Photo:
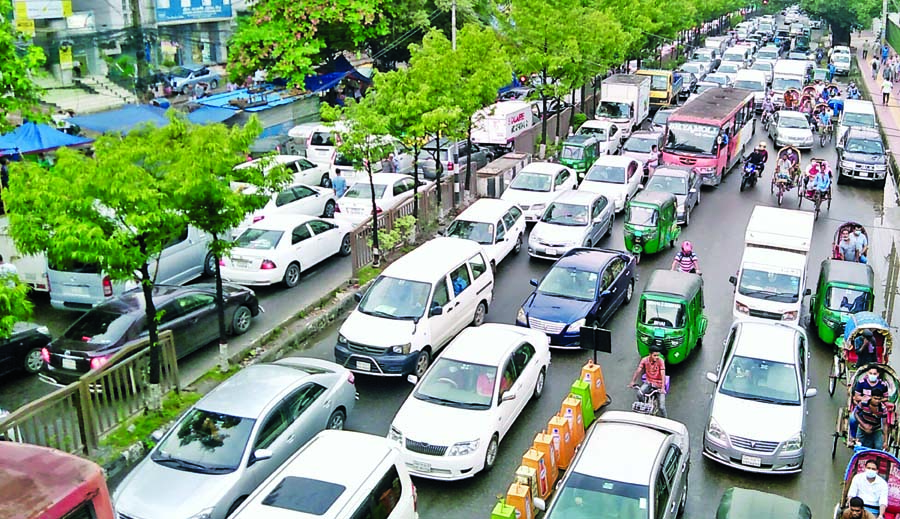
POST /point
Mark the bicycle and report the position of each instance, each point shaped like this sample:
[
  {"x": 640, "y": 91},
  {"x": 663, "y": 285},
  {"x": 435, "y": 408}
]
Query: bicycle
[{"x": 825, "y": 134}]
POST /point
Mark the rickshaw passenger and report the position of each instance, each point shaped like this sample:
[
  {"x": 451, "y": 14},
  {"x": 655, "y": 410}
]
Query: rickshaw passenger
[
  {"x": 862, "y": 390},
  {"x": 856, "y": 510},
  {"x": 870, "y": 418},
  {"x": 862, "y": 243},
  {"x": 824, "y": 119},
  {"x": 871, "y": 488},
  {"x": 848, "y": 247},
  {"x": 821, "y": 181},
  {"x": 858, "y": 304},
  {"x": 866, "y": 349}
]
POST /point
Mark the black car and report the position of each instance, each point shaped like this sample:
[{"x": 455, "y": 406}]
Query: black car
[
  {"x": 21, "y": 351},
  {"x": 188, "y": 311},
  {"x": 862, "y": 156}
]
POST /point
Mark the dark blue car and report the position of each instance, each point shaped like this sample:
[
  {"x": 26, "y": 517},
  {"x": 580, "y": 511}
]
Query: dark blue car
[{"x": 584, "y": 287}]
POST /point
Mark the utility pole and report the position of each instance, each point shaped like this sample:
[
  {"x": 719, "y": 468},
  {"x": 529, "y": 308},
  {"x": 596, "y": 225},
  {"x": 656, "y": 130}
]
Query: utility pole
[
  {"x": 138, "y": 29},
  {"x": 884, "y": 8},
  {"x": 453, "y": 23}
]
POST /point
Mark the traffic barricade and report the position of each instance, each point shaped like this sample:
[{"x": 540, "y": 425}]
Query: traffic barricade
[
  {"x": 535, "y": 459},
  {"x": 593, "y": 375},
  {"x": 580, "y": 389},
  {"x": 519, "y": 497},
  {"x": 544, "y": 443},
  {"x": 571, "y": 411},
  {"x": 558, "y": 428}
]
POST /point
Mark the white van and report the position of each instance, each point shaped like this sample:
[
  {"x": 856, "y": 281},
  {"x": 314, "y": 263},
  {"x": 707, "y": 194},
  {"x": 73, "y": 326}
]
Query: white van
[
  {"x": 740, "y": 54},
  {"x": 337, "y": 475},
  {"x": 32, "y": 270},
  {"x": 498, "y": 225},
  {"x": 858, "y": 113},
  {"x": 754, "y": 81},
  {"x": 322, "y": 143},
  {"x": 415, "y": 307}
]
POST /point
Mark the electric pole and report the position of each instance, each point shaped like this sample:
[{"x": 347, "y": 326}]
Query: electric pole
[
  {"x": 453, "y": 24},
  {"x": 884, "y": 8},
  {"x": 138, "y": 29}
]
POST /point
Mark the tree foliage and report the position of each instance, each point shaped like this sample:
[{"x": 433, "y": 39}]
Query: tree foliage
[
  {"x": 18, "y": 91},
  {"x": 842, "y": 15},
  {"x": 14, "y": 304}
]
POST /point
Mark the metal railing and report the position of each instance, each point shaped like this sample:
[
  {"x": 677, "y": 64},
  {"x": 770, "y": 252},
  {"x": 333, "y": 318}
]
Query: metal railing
[{"x": 74, "y": 418}]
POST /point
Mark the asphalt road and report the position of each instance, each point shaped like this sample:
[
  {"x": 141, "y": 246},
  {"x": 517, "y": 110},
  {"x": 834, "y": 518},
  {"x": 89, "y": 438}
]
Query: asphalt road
[{"x": 717, "y": 231}]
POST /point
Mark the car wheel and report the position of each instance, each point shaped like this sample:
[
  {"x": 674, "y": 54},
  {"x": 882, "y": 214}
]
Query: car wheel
[
  {"x": 337, "y": 420},
  {"x": 490, "y": 456},
  {"x": 214, "y": 84},
  {"x": 241, "y": 320},
  {"x": 329, "y": 209},
  {"x": 518, "y": 247},
  {"x": 345, "y": 246},
  {"x": 698, "y": 196},
  {"x": 209, "y": 265},
  {"x": 539, "y": 385},
  {"x": 422, "y": 363},
  {"x": 292, "y": 275},
  {"x": 33, "y": 361},
  {"x": 629, "y": 291},
  {"x": 480, "y": 312},
  {"x": 687, "y": 217},
  {"x": 325, "y": 181}
]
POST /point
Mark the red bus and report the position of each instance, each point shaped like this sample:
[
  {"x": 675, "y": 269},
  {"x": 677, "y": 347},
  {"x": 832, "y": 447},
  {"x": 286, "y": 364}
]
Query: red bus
[
  {"x": 41, "y": 483},
  {"x": 711, "y": 132}
]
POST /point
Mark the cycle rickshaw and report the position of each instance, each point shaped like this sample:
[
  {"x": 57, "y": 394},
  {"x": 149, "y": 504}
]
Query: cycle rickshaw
[
  {"x": 888, "y": 468},
  {"x": 791, "y": 99},
  {"x": 805, "y": 190},
  {"x": 845, "y": 358},
  {"x": 891, "y": 380},
  {"x": 836, "y": 242},
  {"x": 787, "y": 172},
  {"x": 826, "y": 133}
]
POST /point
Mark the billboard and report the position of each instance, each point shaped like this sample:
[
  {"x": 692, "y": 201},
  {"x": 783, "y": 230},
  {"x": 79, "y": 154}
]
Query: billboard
[
  {"x": 42, "y": 9},
  {"x": 168, "y": 11}
]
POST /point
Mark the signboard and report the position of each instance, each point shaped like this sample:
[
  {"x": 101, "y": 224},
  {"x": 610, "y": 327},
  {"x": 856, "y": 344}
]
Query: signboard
[
  {"x": 42, "y": 9},
  {"x": 25, "y": 27},
  {"x": 65, "y": 56},
  {"x": 168, "y": 11},
  {"x": 596, "y": 339}
]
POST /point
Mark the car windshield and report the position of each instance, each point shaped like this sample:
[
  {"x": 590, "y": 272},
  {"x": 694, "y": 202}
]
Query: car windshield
[
  {"x": 728, "y": 68},
  {"x": 843, "y": 58},
  {"x": 566, "y": 214},
  {"x": 394, "y": 298},
  {"x": 762, "y": 380},
  {"x": 480, "y": 232},
  {"x": 844, "y": 299},
  {"x": 858, "y": 119},
  {"x": 871, "y": 147},
  {"x": 364, "y": 191},
  {"x": 259, "y": 239},
  {"x": 765, "y": 67},
  {"x": 782, "y": 287},
  {"x": 99, "y": 327},
  {"x": 702, "y": 56},
  {"x": 460, "y": 384},
  {"x": 614, "y": 110},
  {"x": 641, "y": 215},
  {"x": 205, "y": 442},
  {"x": 608, "y": 174},
  {"x": 793, "y": 122},
  {"x": 640, "y": 144},
  {"x": 668, "y": 184},
  {"x": 781, "y": 84},
  {"x": 719, "y": 79},
  {"x": 693, "y": 68},
  {"x": 659, "y": 83},
  {"x": 600, "y": 133},
  {"x": 527, "y": 181},
  {"x": 746, "y": 84},
  {"x": 661, "y": 117},
  {"x": 181, "y": 72},
  {"x": 662, "y": 313},
  {"x": 570, "y": 283},
  {"x": 572, "y": 152},
  {"x": 691, "y": 138},
  {"x": 585, "y": 497}
]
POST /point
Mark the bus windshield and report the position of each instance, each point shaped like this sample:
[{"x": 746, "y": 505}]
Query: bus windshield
[{"x": 691, "y": 138}]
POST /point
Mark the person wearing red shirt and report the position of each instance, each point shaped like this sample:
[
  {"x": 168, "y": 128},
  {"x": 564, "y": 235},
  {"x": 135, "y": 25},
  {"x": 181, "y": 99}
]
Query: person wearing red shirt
[{"x": 653, "y": 367}]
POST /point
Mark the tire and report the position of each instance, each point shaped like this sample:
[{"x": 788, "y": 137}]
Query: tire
[
  {"x": 822, "y": 139},
  {"x": 291, "y": 275},
  {"x": 841, "y": 179},
  {"x": 834, "y": 375},
  {"x": 698, "y": 195},
  {"x": 241, "y": 320},
  {"x": 209, "y": 264},
  {"x": 329, "y": 209},
  {"x": 480, "y": 312},
  {"x": 422, "y": 363},
  {"x": 518, "y": 247},
  {"x": 834, "y": 443},
  {"x": 337, "y": 420},
  {"x": 780, "y": 197},
  {"x": 490, "y": 455},
  {"x": 325, "y": 181},
  {"x": 346, "y": 246},
  {"x": 687, "y": 217},
  {"x": 612, "y": 221},
  {"x": 33, "y": 361},
  {"x": 539, "y": 385},
  {"x": 214, "y": 84},
  {"x": 629, "y": 292}
]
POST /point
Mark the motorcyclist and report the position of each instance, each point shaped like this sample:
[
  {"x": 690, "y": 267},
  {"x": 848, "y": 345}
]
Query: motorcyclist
[
  {"x": 653, "y": 367},
  {"x": 685, "y": 259},
  {"x": 758, "y": 158},
  {"x": 768, "y": 107}
]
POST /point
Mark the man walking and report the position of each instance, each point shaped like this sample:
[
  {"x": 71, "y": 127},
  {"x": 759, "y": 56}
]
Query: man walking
[
  {"x": 886, "y": 87},
  {"x": 339, "y": 184},
  {"x": 874, "y": 67}
]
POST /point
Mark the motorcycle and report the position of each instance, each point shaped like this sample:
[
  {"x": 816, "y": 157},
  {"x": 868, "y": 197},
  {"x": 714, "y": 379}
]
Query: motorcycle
[{"x": 749, "y": 175}]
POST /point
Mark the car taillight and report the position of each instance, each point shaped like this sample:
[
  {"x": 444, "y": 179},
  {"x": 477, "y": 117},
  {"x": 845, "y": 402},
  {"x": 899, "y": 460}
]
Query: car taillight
[
  {"x": 98, "y": 362},
  {"x": 378, "y": 210},
  {"x": 258, "y": 218},
  {"x": 221, "y": 262},
  {"x": 107, "y": 286},
  {"x": 351, "y": 378},
  {"x": 267, "y": 265},
  {"x": 450, "y": 166},
  {"x": 45, "y": 355},
  {"x": 337, "y": 208}
]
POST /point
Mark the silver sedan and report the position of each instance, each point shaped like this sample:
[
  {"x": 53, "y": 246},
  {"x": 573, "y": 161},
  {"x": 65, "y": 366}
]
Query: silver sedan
[{"x": 790, "y": 128}]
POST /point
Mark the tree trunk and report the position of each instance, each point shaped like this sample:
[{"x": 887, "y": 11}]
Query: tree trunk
[
  {"x": 220, "y": 311},
  {"x": 583, "y": 91},
  {"x": 154, "y": 401},
  {"x": 558, "y": 118},
  {"x": 543, "y": 115},
  {"x": 469, "y": 161},
  {"x": 416, "y": 180},
  {"x": 375, "y": 247}
]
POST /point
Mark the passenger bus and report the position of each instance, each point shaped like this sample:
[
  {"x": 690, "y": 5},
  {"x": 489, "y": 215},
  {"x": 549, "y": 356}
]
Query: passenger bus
[
  {"x": 41, "y": 483},
  {"x": 710, "y": 133}
]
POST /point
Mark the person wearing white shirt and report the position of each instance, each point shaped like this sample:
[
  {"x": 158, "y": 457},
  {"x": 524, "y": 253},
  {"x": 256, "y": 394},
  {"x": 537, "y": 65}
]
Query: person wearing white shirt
[{"x": 871, "y": 488}]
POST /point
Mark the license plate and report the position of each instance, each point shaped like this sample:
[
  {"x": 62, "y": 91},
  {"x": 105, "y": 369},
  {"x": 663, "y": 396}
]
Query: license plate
[
  {"x": 363, "y": 366},
  {"x": 751, "y": 461},
  {"x": 420, "y": 467},
  {"x": 356, "y": 210},
  {"x": 240, "y": 263},
  {"x": 551, "y": 252},
  {"x": 865, "y": 174},
  {"x": 76, "y": 291},
  {"x": 68, "y": 364}
]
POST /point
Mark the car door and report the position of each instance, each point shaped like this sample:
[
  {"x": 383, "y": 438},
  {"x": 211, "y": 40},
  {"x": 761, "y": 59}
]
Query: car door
[
  {"x": 512, "y": 232},
  {"x": 198, "y": 311},
  {"x": 327, "y": 239},
  {"x": 601, "y": 219},
  {"x": 502, "y": 242},
  {"x": 773, "y": 126},
  {"x": 633, "y": 173},
  {"x": 308, "y": 411},
  {"x": 673, "y": 472},
  {"x": 170, "y": 319},
  {"x": 284, "y": 202},
  {"x": 527, "y": 370},
  {"x": 561, "y": 180},
  {"x": 463, "y": 298},
  {"x": 272, "y": 435},
  {"x": 442, "y": 326},
  {"x": 605, "y": 296},
  {"x": 303, "y": 246},
  {"x": 615, "y": 139},
  {"x": 306, "y": 201},
  {"x": 509, "y": 410},
  {"x": 309, "y": 173}
]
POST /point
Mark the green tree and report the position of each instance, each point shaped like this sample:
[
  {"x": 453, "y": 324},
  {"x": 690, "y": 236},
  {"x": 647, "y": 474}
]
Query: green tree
[
  {"x": 114, "y": 210},
  {"x": 842, "y": 15},
  {"x": 201, "y": 170},
  {"x": 14, "y": 304},
  {"x": 18, "y": 91}
]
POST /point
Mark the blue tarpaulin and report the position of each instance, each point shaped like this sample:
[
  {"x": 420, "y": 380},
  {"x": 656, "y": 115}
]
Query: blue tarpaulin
[
  {"x": 331, "y": 75},
  {"x": 210, "y": 114},
  {"x": 33, "y": 138},
  {"x": 122, "y": 120}
]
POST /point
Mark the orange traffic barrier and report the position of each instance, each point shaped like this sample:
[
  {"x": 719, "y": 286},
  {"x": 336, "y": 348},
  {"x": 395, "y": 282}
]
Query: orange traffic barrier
[
  {"x": 544, "y": 443},
  {"x": 528, "y": 476},
  {"x": 593, "y": 375},
  {"x": 558, "y": 428},
  {"x": 519, "y": 497},
  {"x": 571, "y": 411},
  {"x": 535, "y": 460}
]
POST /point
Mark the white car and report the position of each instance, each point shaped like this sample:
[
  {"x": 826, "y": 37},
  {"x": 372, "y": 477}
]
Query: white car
[
  {"x": 538, "y": 184},
  {"x": 322, "y": 142},
  {"x": 766, "y": 67},
  {"x": 697, "y": 68},
  {"x": 297, "y": 199},
  {"x": 451, "y": 425},
  {"x": 608, "y": 133},
  {"x": 279, "y": 248},
  {"x": 842, "y": 63},
  {"x": 616, "y": 177},
  {"x": 391, "y": 190},
  {"x": 498, "y": 225},
  {"x": 730, "y": 69},
  {"x": 575, "y": 219},
  {"x": 303, "y": 171},
  {"x": 723, "y": 80}
]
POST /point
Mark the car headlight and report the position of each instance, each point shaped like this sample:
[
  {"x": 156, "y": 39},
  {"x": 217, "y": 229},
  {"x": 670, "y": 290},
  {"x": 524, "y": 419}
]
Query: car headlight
[
  {"x": 538, "y": 207},
  {"x": 463, "y": 448},
  {"x": 401, "y": 349},
  {"x": 704, "y": 170},
  {"x": 341, "y": 339},
  {"x": 795, "y": 443},
  {"x": 576, "y": 326},
  {"x": 715, "y": 432},
  {"x": 521, "y": 317},
  {"x": 789, "y": 316},
  {"x": 395, "y": 435},
  {"x": 741, "y": 308},
  {"x": 206, "y": 513}
]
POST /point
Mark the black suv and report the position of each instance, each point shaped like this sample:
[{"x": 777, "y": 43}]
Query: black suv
[{"x": 861, "y": 155}]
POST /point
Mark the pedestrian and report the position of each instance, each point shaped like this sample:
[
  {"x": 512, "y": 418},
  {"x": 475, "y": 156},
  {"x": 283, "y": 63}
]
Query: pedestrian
[
  {"x": 339, "y": 184},
  {"x": 387, "y": 165},
  {"x": 653, "y": 161},
  {"x": 870, "y": 488},
  {"x": 874, "y": 67},
  {"x": 395, "y": 162},
  {"x": 886, "y": 91},
  {"x": 7, "y": 269},
  {"x": 198, "y": 91},
  {"x": 884, "y": 53},
  {"x": 4, "y": 172},
  {"x": 831, "y": 70},
  {"x": 865, "y": 52}
]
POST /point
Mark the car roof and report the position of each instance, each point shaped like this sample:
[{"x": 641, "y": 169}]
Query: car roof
[
  {"x": 791, "y": 114},
  {"x": 578, "y": 139},
  {"x": 572, "y": 196},
  {"x": 486, "y": 210},
  {"x": 281, "y": 222},
  {"x": 622, "y": 452},
  {"x": 384, "y": 178},
  {"x": 250, "y": 391},
  {"x": 614, "y": 160},
  {"x": 133, "y": 300},
  {"x": 469, "y": 345},
  {"x": 592, "y": 259},
  {"x": 672, "y": 170},
  {"x": 645, "y": 134},
  {"x": 757, "y": 339},
  {"x": 420, "y": 263},
  {"x": 594, "y": 123},
  {"x": 848, "y": 272},
  {"x": 679, "y": 284},
  {"x": 272, "y": 161},
  {"x": 547, "y": 168},
  {"x": 864, "y": 133},
  {"x": 858, "y": 105}
]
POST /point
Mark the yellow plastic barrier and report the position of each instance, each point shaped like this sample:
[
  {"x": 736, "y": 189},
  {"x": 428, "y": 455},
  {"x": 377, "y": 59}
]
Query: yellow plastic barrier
[
  {"x": 528, "y": 476},
  {"x": 519, "y": 497},
  {"x": 593, "y": 375},
  {"x": 535, "y": 460}
]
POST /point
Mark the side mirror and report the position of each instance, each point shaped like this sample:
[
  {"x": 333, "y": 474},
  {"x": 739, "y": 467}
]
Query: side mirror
[
  {"x": 436, "y": 310},
  {"x": 807, "y": 292},
  {"x": 811, "y": 392},
  {"x": 509, "y": 395},
  {"x": 693, "y": 190},
  {"x": 732, "y": 280},
  {"x": 260, "y": 455},
  {"x": 412, "y": 379},
  {"x": 533, "y": 282},
  {"x": 712, "y": 377},
  {"x": 157, "y": 435},
  {"x": 540, "y": 504},
  {"x": 357, "y": 296}
]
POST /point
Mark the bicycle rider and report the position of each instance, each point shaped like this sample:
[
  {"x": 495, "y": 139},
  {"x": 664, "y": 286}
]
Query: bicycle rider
[{"x": 653, "y": 367}]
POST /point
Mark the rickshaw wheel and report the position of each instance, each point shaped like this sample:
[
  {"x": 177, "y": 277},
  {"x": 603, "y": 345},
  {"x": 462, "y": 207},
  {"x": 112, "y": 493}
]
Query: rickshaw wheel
[
  {"x": 829, "y": 200},
  {"x": 835, "y": 374},
  {"x": 834, "y": 444}
]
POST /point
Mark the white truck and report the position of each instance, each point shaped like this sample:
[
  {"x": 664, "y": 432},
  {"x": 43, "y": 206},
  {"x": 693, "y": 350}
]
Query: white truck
[
  {"x": 771, "y": 282},
  {"x": 502, "y": 122},
  {"x": 32, "y": 269},
  {"x": 624, "y": 100},
  {"x": 788, "y": 73}
]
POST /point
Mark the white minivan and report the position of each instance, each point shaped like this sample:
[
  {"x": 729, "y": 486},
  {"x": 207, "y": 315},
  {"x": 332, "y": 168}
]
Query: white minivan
[
  {"x": 337, "y": 475},
  {"x": 498, "y": 225},
  {"x": 858, "y": 113},
  {"x": 415, "y": 307}
]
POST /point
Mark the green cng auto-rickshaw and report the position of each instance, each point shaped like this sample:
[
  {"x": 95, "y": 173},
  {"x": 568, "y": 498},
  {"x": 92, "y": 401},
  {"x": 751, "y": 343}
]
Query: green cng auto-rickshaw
[
  {"x": 844, "y": 288},
  {"x": 671, "y": 315},
  {"x": 650, "y": 223},
  {"x": 579, "y": 152}
]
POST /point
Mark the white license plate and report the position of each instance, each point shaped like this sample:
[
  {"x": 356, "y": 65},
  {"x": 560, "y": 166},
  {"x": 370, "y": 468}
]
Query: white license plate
[
  {"x": 421, "y": 467},
  {"x": 363, "y": 366},
  {"x": 241, "y": 263},
  {"x": 551, "y": 252},
  {"x": 76, "y": 291},
  {"x": 751, "y": 461},
  {"x": 68, "y": 364},
  {"x": 356, "y": 210},
  {"x": 866, "y": 174}
]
